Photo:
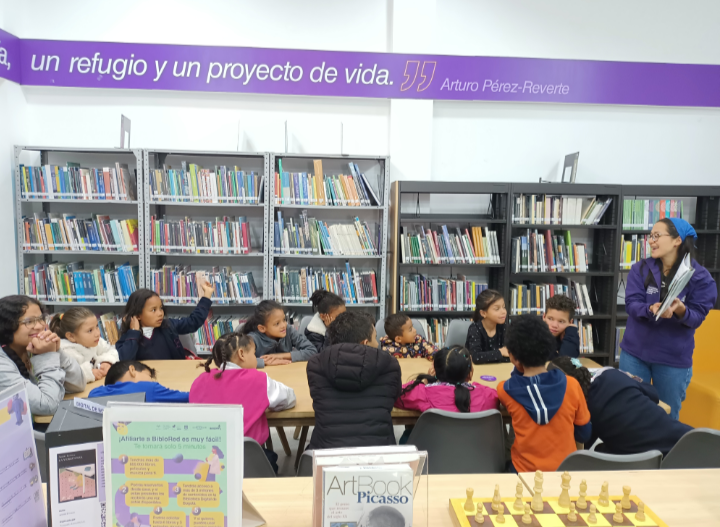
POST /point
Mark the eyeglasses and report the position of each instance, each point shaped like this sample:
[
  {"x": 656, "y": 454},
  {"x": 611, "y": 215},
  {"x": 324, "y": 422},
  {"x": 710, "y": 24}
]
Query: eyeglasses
[
  {"x": 655, "y": 236},
  {"x": 32, "y": 322}
]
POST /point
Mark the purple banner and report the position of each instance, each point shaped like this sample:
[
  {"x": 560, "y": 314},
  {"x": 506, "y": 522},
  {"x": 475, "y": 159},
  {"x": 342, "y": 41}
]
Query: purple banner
[
  {"x": 352, "y": 74},
  {"x": 9, "y": 57}
]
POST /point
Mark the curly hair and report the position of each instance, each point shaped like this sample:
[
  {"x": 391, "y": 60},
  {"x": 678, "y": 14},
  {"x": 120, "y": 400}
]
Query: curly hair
[
  {"x": 12, "y": 308},
  {"x": 325, "y": 302},
  {"x": 582, "y": 375},
  {"x": 561, "y": 303},
  {"x": 529, "y": 340},
  {"x": 350, "y": 327}
]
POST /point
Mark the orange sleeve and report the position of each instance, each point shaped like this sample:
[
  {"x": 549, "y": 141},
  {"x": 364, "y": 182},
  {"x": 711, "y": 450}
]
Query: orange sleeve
[{"x": 582, "y": 414}]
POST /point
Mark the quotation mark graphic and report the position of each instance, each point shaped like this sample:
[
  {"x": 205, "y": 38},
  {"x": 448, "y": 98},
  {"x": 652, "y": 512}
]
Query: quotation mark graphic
[{"x": 427, "y": 72}]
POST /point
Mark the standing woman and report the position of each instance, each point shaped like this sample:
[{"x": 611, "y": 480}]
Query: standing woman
[{"x": 661, "y": 351}]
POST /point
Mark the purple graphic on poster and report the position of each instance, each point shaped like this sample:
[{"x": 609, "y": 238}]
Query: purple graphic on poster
[
  {"x": 358, "y": 74},
  {"x": 9, "y": 57}
]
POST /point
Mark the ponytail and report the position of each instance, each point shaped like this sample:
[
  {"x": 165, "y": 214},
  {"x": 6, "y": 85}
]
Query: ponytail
[
  {"x": 259, "y": 317},
  {"x": 224, "y": 349},
  {"x": 324, "y": 301},
  {"x": 70, "y": 321},
  {"x": 18, "y": 362}
]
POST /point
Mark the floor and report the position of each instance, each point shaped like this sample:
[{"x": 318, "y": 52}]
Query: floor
[{"x": 287, "y": 464}]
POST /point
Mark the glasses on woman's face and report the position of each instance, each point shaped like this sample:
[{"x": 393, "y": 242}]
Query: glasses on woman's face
[
  {"x": 33, "y": 321},
  {"x": 655, "y": 236}
]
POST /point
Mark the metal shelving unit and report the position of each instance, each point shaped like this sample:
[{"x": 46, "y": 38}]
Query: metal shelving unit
[
  {"x": 377, "y": 170},
  {"x": 96, "y": 157}
]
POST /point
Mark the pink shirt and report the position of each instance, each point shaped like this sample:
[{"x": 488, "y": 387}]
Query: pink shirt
[{"x": 442, "y": 397}]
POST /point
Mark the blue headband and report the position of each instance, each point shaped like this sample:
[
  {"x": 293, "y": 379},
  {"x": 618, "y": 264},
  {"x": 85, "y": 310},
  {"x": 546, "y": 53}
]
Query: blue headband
[{"x": 684, "y": 228}]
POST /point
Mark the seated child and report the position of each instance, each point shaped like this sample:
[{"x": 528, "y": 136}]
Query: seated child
[
  {"x": 353, "y": 386},
  {"x": 559, "y": 314},
  {"x": 145, "y": 333},
  {"x": 275, "y": 341},
  {"x": 624, "y": 411},
  {"x": 131, "y": 376},
  {"x": 328, "y": 306},
  {"x": 451, "y": 388},
  {"x": 30, "y": 356},
  {"x": 486, "y": 335},
  {"x": 237, "y": 381},
  {"x": 548, "y": 409},
  {"x": 80, "y": 334},
  {"x": 402, "y": 340}
]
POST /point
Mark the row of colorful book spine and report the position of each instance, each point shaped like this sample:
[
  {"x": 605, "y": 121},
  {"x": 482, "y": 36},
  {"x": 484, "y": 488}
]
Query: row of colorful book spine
[
  {"x": 71, "y": 282},
  {"x": 443, "y": 246},
  {"x": 530, "y": 298},
  {"x": 541, "y": 251},
  {"x": 72, "y": 182},
  {"x": 177, "y": 284},
  {"x": 301, "y": 188},
  {"x": 54, "y": 232},
  {"x": 642, "y": 214},
  {"x": 310, "y": 236},
  {"x": 633, "y": 249},
  {"x": 195, "y": 184},
  {"x": 298, "y": 285},
  {"x": 558, "y": 210},
  {"x": 420, "y": 293},
  {"x": 226, "y": 235},
  {"x": 212, "y": 329}
]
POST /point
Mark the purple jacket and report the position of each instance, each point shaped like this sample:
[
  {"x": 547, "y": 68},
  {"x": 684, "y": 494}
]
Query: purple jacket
[{"x": 668, "y": 341}]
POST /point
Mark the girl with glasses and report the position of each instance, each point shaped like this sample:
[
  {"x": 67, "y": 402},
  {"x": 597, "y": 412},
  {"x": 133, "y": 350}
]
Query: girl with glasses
[{"x": 661, "y": 351}]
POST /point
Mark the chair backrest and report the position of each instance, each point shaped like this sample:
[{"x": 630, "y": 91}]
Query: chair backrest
[
  {"x": 457, "y": 333},
  {"x": 437, "y": 432},
  {"x": 305, "y": 466},
  {"x": 699, "y": 448},
  {"x": 188, "y": 342},
  {"x": 594, "y": 461},
  {"x": 255, "y": 461},
  {"x": 418, "y": 327},
  {"x": 304, "y": 323},
  {"x": 380, "y": 328}
]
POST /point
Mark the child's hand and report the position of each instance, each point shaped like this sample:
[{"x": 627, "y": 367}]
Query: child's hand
[
  {"x": 98, "y": 374},
  {"x": 276, "y": 359},
  {"x": 44, "y": 342},
  {"x": 504, "y": 352},
  {"x": 431, "y": 371},
  {"x": 207, "y": 289},
  {"x": 135, "y": 324},
  {"x": 105, "y": 367}
]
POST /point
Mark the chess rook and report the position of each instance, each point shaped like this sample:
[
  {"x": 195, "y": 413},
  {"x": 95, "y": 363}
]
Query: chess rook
[
  {"x": 469, "y": 505},
  {"x": 625, "y": 501}
]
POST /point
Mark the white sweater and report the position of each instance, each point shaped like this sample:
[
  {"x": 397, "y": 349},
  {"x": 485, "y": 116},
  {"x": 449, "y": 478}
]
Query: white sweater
[{"x": 89, "y": 358}]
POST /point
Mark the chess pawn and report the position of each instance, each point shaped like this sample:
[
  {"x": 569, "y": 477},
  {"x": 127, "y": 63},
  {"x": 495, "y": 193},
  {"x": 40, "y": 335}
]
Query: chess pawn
[
  {"x": 604, "y": 498},
  {"x": 618, "y": 516},
  {"x": 625, "y": 501},
  {"x": 640, "y": 514},
  {"x": 500, "y": 518},
  {"x": 591, "y": 517},
  {"x": 537, "y": 500},
  {"x": 469, "y": 505},
  {"x": 582, "y": 502},
  {"x": 571, "y": 515},
  {"x": 496, "y": 498},
  {"x": 518, "y": 505},
  {"x": 527, "y": 519},
  {"x": 479, "y": 517},
  {"x": 564, "y": 499}
]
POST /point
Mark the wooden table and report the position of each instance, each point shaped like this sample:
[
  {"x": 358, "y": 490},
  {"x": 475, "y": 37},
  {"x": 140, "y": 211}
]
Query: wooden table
[
  {"x": 180, "y": 374},
  {"x": 681, "y": 498}
]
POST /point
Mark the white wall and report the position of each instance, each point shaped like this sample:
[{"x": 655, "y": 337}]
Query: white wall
[{"x": 426, "y": 139}]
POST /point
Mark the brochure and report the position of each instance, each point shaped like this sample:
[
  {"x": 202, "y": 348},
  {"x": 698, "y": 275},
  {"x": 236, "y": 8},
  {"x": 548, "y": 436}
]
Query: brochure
[
  {"x": 77, "y": 485},
  {"x": 678, "y": 284}
]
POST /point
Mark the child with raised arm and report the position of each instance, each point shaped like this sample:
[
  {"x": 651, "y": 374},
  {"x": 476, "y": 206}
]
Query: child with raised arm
[
  {"x": 276, "y": 342},
  {"x": 402, "y": 340},
  {"x": 548, "y": 409},
  {"x": 327, "y": 306},
  {"x": 145, "y": 333},
  {"x": 80, "y": 339},
  {"x": 486, "y": 335},
  {"x": 237, "y": 381}
]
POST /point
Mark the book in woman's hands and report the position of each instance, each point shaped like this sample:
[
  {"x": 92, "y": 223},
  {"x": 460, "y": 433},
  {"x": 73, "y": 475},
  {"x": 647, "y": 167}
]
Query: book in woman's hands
[{"x": 678, "y": 284}]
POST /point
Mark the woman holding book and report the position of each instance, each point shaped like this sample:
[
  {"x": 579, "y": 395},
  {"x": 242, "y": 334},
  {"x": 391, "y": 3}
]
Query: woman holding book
[{"x": 660, "y": 351}]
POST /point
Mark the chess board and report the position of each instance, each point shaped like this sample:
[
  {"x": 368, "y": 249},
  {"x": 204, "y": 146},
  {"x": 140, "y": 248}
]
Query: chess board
[{"x": 553, "y": 515}]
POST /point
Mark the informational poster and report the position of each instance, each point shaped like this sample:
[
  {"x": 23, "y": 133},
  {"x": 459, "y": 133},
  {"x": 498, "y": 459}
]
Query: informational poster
[
  {"x": 174, "y": 465},
  {"x": 77, "y": 485},
  {"x": 21, "y": 500}
]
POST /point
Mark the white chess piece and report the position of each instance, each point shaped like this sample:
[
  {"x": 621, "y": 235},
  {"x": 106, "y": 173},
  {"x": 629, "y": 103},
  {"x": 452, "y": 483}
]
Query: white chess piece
[
  {"x": 469, "y": 505},
  {"x": 582, "y": 502},
  {"x": 527, "y": 519},
  {"x": 537, "y": 500},
  {"x": 591, "y": 517},
  {"x": 640, "y": 514},
  {"x": 518, "y": 505}
]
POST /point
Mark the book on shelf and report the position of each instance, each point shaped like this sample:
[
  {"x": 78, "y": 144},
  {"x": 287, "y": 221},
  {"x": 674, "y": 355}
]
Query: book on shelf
[
  {"x": 225, "y": 235},
  {"x": 585, "y": 332},
  {"x": 71, "y": 282},
  {"x": 558, "y": 210},
  {"x": 298, "y": 285},
  {"x": 302, "y": 188},
  {"x": 543, "y": 251},
  {"x": 179, "y": 284},
  {"x": 619, "y": 334},
  {"x": 194, "y": 184},
  {"x": 708, "y": 213},
  {"x": 66, "y": 232},
  {"x": 469, "y": 245},
  {"x": 420, "y": 293},
  {"x": 213, "y": 328},
  {"x": 642, "y": 214},
  {"x": 51, "y": 182},
  {"x": 109, "y": 324},
  {"x": 436, "y": 329},
  {"x": 633, "y": 248},
  {"x": 309, "y": 236},
  {"x": 530, "y": 298}
]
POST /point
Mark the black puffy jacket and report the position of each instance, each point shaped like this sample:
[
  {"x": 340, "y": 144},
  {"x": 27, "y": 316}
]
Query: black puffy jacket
[{"x": 353, "y": 388}]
